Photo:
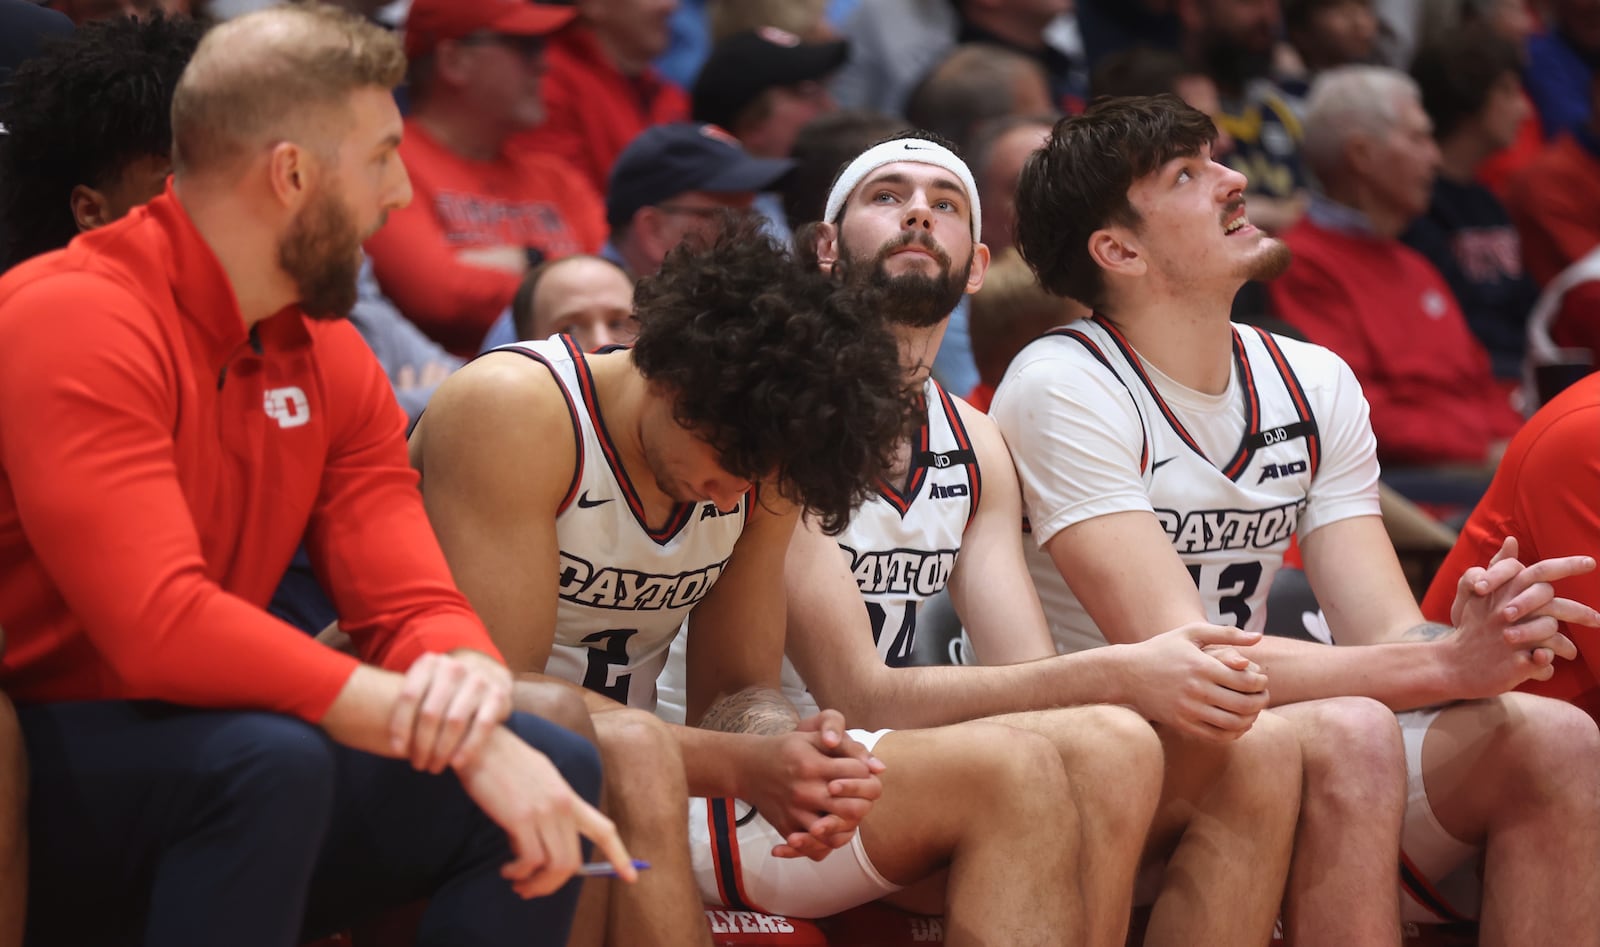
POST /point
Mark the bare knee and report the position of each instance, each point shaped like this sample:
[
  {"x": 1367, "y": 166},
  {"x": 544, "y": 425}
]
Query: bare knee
[
  {"x": 1109, "y": 748},
  {"x": 1546, "y": 749},
  {"x": 1120, "y": 734},
  {"x": 1010, "y": 767},
  {"x": 1353, "y": 754},
  {"x": 639, "y": 750},
  {"x": 557, "y": 703},
  {"x": 1265, "y": 764}
]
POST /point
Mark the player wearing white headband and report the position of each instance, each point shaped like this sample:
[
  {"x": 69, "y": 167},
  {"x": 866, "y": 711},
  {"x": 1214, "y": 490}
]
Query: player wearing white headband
[{"x": 905, "y": 216}]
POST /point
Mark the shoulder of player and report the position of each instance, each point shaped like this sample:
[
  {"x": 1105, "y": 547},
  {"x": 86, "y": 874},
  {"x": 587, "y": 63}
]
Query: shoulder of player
[
  {"x": 987, "y": 441},
  {"x": 768, "y": 505},
  {"x": 1316, "y": 367},
  {"x": 1044, "y": 356},
  {"x": 1057, "y": 368},
  {"x": 503, "y": 398}
]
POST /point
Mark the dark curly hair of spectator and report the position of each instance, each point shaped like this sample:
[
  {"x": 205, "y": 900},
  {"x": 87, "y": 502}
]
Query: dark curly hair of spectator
[
  {"x": 792, "y": 379},
  {"x": 1078, "y": 183},
  {"x": 80, "y": 113}
]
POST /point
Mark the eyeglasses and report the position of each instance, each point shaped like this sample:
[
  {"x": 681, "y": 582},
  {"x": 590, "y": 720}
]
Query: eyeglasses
[{"x": 526, "y": 47}]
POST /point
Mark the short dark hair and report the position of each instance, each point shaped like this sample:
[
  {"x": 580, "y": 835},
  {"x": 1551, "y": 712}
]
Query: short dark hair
[
  {"x": 791, "y": 378},
  {"x": 1457, "y": 71},
  {"x": 80, "y": 113},
  {"x": 972, "y": 85},
  {"x": 1078, "y": 183},
  {"x": 823, "y": 146},
  {"x": 1138, "y": 70}
]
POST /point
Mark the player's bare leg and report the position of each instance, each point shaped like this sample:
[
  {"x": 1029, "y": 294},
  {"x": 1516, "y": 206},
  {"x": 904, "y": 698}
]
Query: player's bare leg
[
  {"x": 646, "y": 794},
  {"x": 1225, "y": 828},
  {"x": 991, "y": 804},
  {"x": 1344, "y": 884},
  {"x": 1517, "y": 775},
  {"x": 13, "y": 828},
  {"x": 1115, "y": 766}
]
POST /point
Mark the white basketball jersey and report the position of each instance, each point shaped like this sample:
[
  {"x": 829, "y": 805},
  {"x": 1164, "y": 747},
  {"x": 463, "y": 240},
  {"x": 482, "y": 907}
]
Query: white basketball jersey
[
  {"x": 901, "y": 545},
  {"x": 624, "y": 587},
  {"x": 1229, "y": 518}
]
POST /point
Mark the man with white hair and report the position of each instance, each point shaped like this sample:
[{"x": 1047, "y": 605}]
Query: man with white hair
[{"x": 1355, "y": 288}]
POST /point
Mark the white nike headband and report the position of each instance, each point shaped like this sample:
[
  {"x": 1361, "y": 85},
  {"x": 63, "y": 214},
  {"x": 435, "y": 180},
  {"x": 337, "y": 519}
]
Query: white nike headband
[{"x": 919, "y": 150}]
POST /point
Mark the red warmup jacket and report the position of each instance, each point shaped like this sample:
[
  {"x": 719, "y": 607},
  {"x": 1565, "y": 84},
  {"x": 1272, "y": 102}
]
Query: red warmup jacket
[
  {"x": 1544, "y": 493},
  {"x": 158, "y": 467},
  {"x": 1385, "y": 310}
]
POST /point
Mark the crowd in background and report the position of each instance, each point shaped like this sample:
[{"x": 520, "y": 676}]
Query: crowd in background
[{"x": 1433, "y": 163}]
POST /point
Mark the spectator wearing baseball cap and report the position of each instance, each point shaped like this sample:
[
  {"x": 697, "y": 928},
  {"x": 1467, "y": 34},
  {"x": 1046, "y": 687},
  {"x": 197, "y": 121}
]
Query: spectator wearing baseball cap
[
  {"x": 764, "y": 85},
  {"x": 676, "y": 180},
  {"x": 483, "y": 213},
  {"x": 602, "y": 89}
]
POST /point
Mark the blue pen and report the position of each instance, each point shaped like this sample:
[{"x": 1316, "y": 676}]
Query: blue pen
[{"x": 608, "y": 870}]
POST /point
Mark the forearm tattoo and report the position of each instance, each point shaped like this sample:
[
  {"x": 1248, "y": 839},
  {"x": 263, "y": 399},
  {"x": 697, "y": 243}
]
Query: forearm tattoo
[
  {"x": 1429, "y": 631},
  {"x": 759, "y": 710}
]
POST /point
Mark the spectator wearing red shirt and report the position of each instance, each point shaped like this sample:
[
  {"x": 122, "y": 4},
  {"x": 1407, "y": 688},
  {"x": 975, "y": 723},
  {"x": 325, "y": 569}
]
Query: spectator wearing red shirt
[
  {"x": 1555, "y": 201},
  {"x": 601, "y": 90},
  {"x": 180, "y": 405},
  {"x": 483, "y": 213},
  {"x": 1355, "y": 288}
]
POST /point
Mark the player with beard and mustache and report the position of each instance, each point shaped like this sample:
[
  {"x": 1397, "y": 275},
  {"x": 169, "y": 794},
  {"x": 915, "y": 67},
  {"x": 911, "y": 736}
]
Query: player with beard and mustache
[
  {"x": 905, "y": 216},
  {"x": 1167, "y": 457},
  {"x": 182, "y": 405}
]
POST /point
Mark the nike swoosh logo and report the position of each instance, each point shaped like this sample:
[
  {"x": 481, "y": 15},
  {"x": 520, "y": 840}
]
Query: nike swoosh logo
[
  {"x": 1153, "y": 467},
  {"x": 913, "y": 146},
  {"x": 587, "y": 504}
]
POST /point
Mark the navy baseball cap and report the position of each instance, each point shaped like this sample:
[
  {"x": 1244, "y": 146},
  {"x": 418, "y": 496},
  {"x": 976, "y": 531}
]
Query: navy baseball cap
[
  {"x": 667, "y": 160},
  {"x": 746, "y": 64}
]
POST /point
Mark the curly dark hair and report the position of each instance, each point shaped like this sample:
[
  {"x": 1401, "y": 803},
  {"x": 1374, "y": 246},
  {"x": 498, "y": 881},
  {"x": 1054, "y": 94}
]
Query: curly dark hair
[
  {"x": 792, "y": 379},
  {"x": 1078, "y": 183},
  {"x": 80, "y": 113}
]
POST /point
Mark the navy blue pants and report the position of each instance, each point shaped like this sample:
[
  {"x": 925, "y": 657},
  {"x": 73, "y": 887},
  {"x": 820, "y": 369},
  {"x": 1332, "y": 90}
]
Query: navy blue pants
[{"x": 152, "y": 824}]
